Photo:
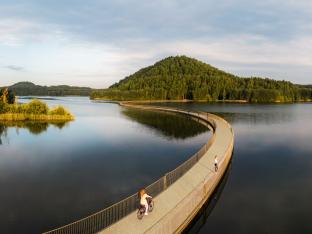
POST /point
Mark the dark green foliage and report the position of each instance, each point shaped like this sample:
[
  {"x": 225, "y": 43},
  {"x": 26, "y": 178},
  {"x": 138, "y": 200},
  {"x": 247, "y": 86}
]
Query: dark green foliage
[
  {"x": 305, "y": 93},
  {"x": 30, "y": 89},
  {"x": 177, "y": 78},
  {"x": 11, "y": 97},
  {"x": 263, "y": 95}
]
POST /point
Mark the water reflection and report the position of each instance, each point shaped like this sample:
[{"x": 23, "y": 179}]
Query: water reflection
[
  {"x": 268, "y": 114},
  {"x": 3, "y": 132},
  {"x": 171, "y": 125},
  {"x": 257, "y": 118},
  {"x": 269, "y": 189},
  {"x": 201, "y": 218},
  {"x": 33, "y": 127},
  {"x": 57, "y": 177}
]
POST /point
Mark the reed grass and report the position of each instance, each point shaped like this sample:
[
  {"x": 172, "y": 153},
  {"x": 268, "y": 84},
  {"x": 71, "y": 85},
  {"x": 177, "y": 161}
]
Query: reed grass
[
  {"x": 35, "y": 117},
  {"x": 34, "y": 111}
]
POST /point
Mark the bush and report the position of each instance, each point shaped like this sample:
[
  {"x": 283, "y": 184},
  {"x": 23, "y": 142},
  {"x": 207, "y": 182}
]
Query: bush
[
  {"x": 3, "y": 107},
  {"x": 59, "y": 110},
  {"x": 37, "y": 107},
  {"x": 22, "y": 108}
]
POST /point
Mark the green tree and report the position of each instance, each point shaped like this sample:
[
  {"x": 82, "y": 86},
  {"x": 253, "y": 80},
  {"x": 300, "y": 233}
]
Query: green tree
[{"x": 7, "y": 96}]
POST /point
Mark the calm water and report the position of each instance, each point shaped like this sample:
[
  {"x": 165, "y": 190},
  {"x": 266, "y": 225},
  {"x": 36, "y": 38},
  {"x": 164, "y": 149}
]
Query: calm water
[
  {"x": 52, "y": 174},
  {"x": 269, "y": 187}
]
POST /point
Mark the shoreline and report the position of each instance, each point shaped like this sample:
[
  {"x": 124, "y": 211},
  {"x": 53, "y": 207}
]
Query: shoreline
[
  {"x": 12, "y": 117},
  {"x": 199, "y": 101}
]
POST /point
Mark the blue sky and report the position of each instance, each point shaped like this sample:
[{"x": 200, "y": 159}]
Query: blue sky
[{"x": 96, "y": 43}]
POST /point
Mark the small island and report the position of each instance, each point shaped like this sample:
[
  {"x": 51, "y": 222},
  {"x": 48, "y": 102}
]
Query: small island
[{"x": 35, "y": 110}]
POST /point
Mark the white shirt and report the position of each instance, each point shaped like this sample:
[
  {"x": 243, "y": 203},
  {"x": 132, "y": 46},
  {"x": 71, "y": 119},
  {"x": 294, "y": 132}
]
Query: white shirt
[
  {"x": 216, "y": 161},
  {"x": 143, "y": 200}
]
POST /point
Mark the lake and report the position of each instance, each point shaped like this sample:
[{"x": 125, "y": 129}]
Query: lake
[
  {"x": 53, "y": 174},
  {"x": 269, "y": 186}
]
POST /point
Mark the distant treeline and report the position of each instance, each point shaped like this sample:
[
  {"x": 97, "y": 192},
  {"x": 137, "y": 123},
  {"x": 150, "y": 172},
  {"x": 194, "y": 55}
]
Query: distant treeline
[
  {"x": 177, "y": 78},
  {"x": 30, "y": 89}
]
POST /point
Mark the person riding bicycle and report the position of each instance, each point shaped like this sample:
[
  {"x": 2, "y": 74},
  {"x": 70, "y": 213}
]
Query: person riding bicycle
[
  {"x": 216, "y": 163},
  {"x": 143, "y": 199}
]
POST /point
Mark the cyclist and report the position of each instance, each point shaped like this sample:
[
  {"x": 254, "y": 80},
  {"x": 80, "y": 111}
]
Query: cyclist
[
  {"x": 216, "y": 163},
  {"x": 143, "y": 199}
]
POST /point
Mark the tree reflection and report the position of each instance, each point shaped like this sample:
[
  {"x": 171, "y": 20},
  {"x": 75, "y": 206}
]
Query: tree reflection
[
  {"x": 255, "y": 118},
  {"x": 3, "y": 132},
  {"x": 168, "y": 124},
  {"x": 34, "y": 127}
]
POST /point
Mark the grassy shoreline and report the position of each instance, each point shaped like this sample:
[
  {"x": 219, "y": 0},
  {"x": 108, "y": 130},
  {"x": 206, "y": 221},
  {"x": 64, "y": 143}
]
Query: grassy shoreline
[
  {"x": 35, "y": 110},
  {"x": 34, "y": 117}
]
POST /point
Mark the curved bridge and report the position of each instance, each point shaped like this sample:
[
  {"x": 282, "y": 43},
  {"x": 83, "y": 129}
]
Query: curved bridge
[{"x": 178, "y": 195}]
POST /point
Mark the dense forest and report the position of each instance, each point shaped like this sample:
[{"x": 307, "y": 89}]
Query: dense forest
[
  {"x": 30, "y": 89},
  {"x": 180, "y": 77}
]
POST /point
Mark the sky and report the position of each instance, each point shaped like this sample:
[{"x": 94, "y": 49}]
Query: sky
[{"x": 96, "y": 43}]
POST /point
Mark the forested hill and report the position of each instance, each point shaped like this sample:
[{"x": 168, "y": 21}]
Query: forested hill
[
  {"x": 180, "y": 77},
  {"x": 30, "y": 89}
]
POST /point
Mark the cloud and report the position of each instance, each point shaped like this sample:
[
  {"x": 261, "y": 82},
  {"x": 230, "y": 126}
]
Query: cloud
[
  {"x": 16, "y": 32},
  {"x": 13, "y": 31},
  {"x": 15, "y": 68},
  {"x": 74, "y": 41},
  {"x": 104, "y": 21}
]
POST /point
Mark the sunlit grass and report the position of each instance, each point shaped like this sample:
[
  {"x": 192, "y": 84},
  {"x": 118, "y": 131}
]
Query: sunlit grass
[{"x": 35, "y": 111}]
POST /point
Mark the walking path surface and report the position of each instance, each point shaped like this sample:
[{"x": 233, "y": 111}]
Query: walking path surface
[{"x": 178, "y": 204}]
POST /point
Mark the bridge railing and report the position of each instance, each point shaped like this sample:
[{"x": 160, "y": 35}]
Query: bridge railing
[{"x": 104, "y": 218}]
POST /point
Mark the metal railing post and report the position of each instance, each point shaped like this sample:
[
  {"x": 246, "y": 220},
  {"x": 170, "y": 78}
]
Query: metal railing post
[{"x": 165, "y": 181}]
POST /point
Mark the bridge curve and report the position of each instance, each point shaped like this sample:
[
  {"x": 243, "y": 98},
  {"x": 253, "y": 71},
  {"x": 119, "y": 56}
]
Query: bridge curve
[{"x": 180, "y": 193}]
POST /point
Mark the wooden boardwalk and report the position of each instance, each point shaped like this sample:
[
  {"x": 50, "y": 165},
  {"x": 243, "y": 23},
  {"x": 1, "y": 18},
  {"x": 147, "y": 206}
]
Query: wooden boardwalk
[{"x": 178, "y": 204}]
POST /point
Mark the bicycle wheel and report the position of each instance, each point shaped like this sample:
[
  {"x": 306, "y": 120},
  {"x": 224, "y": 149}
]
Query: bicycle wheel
[
  {"x": 151, "y": 206},
  {"x": 140, "y": 214}
]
